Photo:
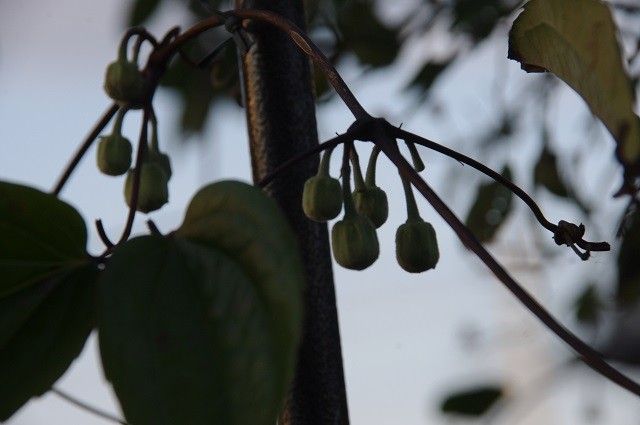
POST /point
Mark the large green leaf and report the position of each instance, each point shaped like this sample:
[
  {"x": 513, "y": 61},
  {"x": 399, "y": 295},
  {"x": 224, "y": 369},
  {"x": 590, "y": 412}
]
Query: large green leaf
[
  {"x": 628, "y": 285},
  {"x": 490, "y": 209},
  {"x": 43, "y": 328},
  {"x": 473, "y": 401},
  {"x": 41, "y": 237},
  {"x": 185, "y": 336},
  {"x": 214, "y": 311},
  {"x": 576, "y": 41}
]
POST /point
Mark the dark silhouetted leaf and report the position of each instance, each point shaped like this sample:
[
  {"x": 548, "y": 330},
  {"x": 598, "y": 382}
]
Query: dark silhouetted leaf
[
  {"x": 427, "y": 75},
  {"x": 588, "y": 306},
  {"x": 478, "y": 17},
  {"x": 576, "y": 41},
  {"x": 472, "y": 402},
  {"x": 43, "y": 328},
  {"x": 490, "y": 209},
  {"x": 141, "y": 10},
  {"x": 370, "y": 40},
  {"x": 214, "y": 311},
  {"x": 628, "y": 289},
  {"x": 546, "y": 173},
  {"x": 41, "y": 237}
]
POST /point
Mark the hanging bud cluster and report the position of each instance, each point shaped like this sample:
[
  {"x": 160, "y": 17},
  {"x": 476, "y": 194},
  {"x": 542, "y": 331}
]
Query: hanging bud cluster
[
  {"x": 354, "y": 239},
  {"x": 114, "y": 159}
]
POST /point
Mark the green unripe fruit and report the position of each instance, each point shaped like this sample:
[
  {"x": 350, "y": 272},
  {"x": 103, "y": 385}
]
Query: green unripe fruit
[
  {"x": 355, "y": 242},
  {"x": 114, "y": 155},
  {"x": 161, "y": 159},
  {"x": 125, "y": 83},
  {"x": 322, "y": 198},
  {"x": 417, "y": 246},
  {"x": 372, "y": 203},
  {"x": 153, "y": 192}
]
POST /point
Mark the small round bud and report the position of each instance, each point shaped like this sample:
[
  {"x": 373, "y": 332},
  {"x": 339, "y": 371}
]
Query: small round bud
[
  {"x": 372, "y": 203},
  {"x": 125, "y": 83},
  {"x": 355, "y": 242},
  {"x": 322, "y": 198},
  {"x": 153, "y": 192},
  {"x": 114, "y": 154},
  {"x": 417, "y": 246}
]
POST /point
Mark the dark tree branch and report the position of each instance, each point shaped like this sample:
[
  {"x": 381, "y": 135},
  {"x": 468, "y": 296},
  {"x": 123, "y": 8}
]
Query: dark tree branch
[
  {"x": 555, "y": 229},
  {"x": 383, "y": 135}
]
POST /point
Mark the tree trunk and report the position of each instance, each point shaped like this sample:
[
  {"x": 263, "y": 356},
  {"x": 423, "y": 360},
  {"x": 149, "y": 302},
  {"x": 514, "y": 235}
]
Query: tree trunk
[{"x": 280, "y": 108}]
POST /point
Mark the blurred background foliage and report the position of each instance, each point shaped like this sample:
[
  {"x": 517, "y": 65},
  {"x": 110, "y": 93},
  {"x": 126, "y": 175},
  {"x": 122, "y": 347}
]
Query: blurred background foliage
[{"x": 359, "y": 28}]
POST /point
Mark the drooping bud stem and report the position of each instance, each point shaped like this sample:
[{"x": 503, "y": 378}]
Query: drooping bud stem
[
  {"x": 325, "y": 162},
  {"x": 371, "y": 167},
  {"x": 412, "y": 207},
  {"x": 357, "y": 171},
  {"x": 117, "y": 123},
  {"x": 349, "y": 207},
  {"x": 415, "y": 157}
]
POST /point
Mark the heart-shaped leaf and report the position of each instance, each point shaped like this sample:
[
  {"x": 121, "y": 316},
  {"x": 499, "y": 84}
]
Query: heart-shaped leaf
[
  {"x": 203, "y": 327},
  {"x": 43, "y": 328},
  {"x": 41, "y": 237}
]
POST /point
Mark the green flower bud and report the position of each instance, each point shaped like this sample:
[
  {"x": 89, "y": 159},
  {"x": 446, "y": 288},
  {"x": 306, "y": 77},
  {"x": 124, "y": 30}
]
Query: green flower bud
[
  {"x": 125, "y": 83},
  {"x": 355, "y": 242},
  {"x": 369, "y": 199},
  {"x": 114, "y": 154},
  {"x": 322, "y": 198},
  {"x": 416, "y": 243},
  {"x": 322, "y": 194},
  {"x": 153, "y": 192},
  {"x": 417, "y": 246},
  {"x": 372, "y": 203}
]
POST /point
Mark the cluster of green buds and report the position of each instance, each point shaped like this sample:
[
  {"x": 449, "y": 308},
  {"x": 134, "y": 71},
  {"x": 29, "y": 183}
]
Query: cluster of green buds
[
  {"x": 155, "y": 172},
  {"x": 354, "y": 239},
  {"x": 114, "y": 159},
  {"x": 124, "y": 82}
]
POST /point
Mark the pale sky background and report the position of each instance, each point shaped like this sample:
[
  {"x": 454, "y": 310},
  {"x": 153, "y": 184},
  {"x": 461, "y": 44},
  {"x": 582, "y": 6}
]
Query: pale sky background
[{"x": 402, "y": 335}]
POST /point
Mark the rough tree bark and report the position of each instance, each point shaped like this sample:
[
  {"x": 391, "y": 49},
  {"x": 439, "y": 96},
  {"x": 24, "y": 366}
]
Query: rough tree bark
[{"x": 280, "y": 110}]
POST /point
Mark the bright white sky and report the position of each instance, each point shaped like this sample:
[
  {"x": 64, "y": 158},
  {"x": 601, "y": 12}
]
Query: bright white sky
[{"x": 401, "y": 333}]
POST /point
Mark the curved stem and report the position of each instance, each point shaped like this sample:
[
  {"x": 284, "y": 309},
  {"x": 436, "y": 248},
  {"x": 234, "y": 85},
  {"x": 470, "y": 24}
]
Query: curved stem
[
  {"x": 345, "y": 172},
  {"x": 370, "y": 179},
  {"x": 407, "y": 136},
  {"x": 84, "y": 147},
  {"x": 358, "y": 180},
  {"x": 587, "y": 354},
  {"x": 412, "y": 208},
  {"x": 133, "y": 202},
  {"x": 312, "y": 51},
  {"x": 325, "y": 162},
  {"x": 84, "y": 406},
  {"x": 329, "y": 144}
]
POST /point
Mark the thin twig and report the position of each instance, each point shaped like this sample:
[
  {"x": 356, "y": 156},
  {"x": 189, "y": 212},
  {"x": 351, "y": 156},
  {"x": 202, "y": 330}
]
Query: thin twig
[
  {"x": 137, "y": 171},
  {"x": 84, "y": 147},
  {"x": 329, "y": 144},
  {"x": 382, "y": 135},
  {"x": 84, "y": 406},
  {"x": 312, "y": 51},
  {"x": 537, "y": 212},
  {"x": 103, "y": 234}
]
